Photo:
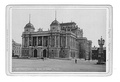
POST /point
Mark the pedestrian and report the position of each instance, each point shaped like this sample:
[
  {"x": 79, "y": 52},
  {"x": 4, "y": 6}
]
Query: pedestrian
[
  {"x": 76, "y": 61},
  {"x": 42, "y": 58}
]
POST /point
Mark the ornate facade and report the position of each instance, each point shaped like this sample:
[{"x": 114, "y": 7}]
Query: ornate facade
[{"x": 63, "y": 40}]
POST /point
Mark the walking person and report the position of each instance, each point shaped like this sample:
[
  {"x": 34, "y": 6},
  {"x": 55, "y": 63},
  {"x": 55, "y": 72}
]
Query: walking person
[
  {"x": 76, "y": 61},
  {"x": 42, "y": 58}
]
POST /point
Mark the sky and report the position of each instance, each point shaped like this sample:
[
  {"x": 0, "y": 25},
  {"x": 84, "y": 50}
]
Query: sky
[{"x": 92, "y": 21}]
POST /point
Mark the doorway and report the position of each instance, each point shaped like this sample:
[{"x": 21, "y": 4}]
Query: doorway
[
  {"x": 35, "y": 53},
  {"x": 44, "y": 53}
]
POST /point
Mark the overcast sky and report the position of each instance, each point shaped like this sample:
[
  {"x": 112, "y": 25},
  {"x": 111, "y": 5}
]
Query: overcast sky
[{"x": 92, "y": 21}]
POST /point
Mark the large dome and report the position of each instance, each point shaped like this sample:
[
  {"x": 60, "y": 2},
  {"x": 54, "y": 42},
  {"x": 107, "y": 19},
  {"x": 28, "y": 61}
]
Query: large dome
[
  {"x": 29, "y": 25},
  {"x": 55, "y": 22}
]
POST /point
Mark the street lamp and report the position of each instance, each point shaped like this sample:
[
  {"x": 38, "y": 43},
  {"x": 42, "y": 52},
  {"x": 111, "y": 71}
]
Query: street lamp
[{"x": 100, "y": 51}]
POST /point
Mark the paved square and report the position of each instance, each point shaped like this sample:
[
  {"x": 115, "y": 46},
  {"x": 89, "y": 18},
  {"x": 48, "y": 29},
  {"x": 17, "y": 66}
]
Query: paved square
[{"x": 55, "y": 65}]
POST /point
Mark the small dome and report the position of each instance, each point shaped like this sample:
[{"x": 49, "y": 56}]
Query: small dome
[
  {"x": 29, "y": 25},
  {"x": 55, "y": 22}
]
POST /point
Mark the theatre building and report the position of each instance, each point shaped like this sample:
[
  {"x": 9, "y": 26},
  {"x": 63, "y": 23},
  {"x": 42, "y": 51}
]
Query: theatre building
[{"x": 63, "y": 40}]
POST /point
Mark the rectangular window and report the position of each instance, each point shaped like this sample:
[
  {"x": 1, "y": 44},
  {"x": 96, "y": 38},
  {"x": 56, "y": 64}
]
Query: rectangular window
[
  {"x": 39, "y": 41},
  {"x": 52, "y": 41},
  {"x": 34, "y": 41},
  {"x": 30, "y": 42}
]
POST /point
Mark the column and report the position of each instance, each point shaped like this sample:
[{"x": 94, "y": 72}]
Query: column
[
  {"x": 66, "y": 40},
  {"x": 42, "y": 40},
  {"x": 49, "y": 41},
  {"x": 55, "y": 41},
  {"x": 61, "y": 41},
  {"x": 28, "y": 53},
  {"x": 58, "y": 41},
  {"x": 69, "y": 46},
  {"x": 31, "y": 41},
  {"x": 74, "y": 42},
  {"x": 71, "y": 42},
  {"x": 28, "y": 42},
  {"x": 37, "y": 40}
]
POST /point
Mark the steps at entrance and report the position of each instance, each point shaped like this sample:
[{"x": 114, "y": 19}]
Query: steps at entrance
[{"x": 34, "y": 58}]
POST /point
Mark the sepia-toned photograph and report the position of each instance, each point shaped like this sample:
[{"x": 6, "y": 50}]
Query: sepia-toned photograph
[{"x": 59, "y": 39}]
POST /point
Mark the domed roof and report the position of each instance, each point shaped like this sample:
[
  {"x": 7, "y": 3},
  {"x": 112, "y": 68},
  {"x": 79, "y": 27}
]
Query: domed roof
[
  {"x": 29, "y": 25},
  {"x": 55, "y": 22}
]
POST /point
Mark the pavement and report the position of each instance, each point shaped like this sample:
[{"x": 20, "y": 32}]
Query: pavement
[{"x": 56, "y": 65}]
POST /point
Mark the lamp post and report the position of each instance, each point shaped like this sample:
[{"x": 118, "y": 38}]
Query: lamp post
[{"x": 100, "y": 51}]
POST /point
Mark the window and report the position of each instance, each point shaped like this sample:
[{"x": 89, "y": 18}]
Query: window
[
  {"x": 52, "y": 41},
  {"x": 34, "y": 41},
  {"x": 39, "y": 41}
]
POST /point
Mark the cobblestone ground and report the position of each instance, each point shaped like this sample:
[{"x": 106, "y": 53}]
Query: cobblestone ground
[{"x": 55, "y": 65}]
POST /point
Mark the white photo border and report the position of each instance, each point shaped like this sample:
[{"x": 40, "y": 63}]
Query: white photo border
[{"x": 109, "y": 38}]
